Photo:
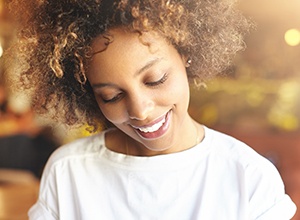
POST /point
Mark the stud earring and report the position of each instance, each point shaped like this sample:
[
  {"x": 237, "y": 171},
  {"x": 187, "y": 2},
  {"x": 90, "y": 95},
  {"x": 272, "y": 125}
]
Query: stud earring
[{"x": 188, "y": 63}]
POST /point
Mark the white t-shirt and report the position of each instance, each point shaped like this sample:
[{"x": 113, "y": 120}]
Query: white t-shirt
[{"x": 219, "y": 179}]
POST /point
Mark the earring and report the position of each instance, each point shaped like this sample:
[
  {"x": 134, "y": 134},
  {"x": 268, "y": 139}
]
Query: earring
[{"x": 188, "y": 63}]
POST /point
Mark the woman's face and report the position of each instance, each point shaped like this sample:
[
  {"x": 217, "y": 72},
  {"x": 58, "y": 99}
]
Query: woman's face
[{"x": 141, "y": 86}]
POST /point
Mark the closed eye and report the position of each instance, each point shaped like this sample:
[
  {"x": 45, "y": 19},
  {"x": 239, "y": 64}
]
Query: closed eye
[
  {"x": 113, "y": 99},
  {"x": 157, "y": 83}
]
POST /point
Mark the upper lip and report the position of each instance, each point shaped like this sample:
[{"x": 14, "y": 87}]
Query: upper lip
[{"x": 151, "y": 123}]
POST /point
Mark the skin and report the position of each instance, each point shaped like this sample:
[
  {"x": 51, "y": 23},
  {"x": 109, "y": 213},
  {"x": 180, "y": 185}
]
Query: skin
[{"x": 138, "y": 81}]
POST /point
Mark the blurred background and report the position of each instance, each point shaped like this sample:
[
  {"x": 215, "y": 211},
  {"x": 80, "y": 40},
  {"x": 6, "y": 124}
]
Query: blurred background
[{"x": 258, "y": 102}]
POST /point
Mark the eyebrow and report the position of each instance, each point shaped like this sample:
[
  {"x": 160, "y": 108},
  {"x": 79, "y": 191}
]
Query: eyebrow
[
  {"x": 138, "y": 72},
  {"x": 148, "y": 66}
]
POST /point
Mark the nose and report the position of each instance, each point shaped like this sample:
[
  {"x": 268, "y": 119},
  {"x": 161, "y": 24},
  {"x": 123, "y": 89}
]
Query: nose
[{"x": 139, "y": 106}]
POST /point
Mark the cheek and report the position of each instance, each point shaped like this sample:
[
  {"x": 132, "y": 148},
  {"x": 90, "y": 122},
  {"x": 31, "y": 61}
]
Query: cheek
[
  {"x": 113, "y": 113},
  {"x": 183, "y": 95},
  {"x": 180, "y": 89}
]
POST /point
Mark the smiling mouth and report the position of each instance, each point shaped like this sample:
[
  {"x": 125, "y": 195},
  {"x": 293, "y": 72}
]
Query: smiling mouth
[
  {"x": 156, "y": 130},
  {"x": 152, "y": 128}
]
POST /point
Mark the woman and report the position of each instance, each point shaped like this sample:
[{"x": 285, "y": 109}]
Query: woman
[{"x": 126, "y": 65}]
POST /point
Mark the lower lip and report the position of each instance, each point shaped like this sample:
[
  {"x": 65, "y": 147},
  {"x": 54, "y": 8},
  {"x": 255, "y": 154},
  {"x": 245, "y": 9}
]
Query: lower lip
[{"x": 160, "y": 132}]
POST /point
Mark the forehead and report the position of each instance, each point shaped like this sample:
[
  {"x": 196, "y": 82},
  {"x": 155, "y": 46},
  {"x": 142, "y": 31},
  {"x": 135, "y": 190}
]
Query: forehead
[
  {"x": 120, "y": 52},
  {"x": 118, "y": 40}
]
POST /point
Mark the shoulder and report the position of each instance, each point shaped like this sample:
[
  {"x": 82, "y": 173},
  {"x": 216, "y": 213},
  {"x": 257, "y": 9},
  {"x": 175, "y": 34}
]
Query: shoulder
[
  {"x": 230, "y": 152},
  {"x": 257, "y": 172},
  {"x": 229, "y": 147},
  {"x": 259, "y": 178},
  {"x": 80, "y": 148}
]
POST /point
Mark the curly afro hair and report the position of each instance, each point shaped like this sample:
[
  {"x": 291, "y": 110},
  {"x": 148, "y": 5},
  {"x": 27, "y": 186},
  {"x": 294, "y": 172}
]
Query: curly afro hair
[{"x": 54, "y": 39}]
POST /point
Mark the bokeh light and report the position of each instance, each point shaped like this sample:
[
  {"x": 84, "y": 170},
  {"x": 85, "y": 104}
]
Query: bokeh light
[
  {"x": 1, "y": 50},
  {"x": 292, "y": 37}
]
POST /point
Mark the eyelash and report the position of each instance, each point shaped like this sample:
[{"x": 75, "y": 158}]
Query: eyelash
[
  {"x": 157, "y": 83},
  {"x": 152, "y": 84},
  {"x": 114, "y": 99}
]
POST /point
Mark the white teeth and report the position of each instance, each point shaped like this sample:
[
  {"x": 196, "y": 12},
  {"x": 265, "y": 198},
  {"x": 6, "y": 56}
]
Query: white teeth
[{"x": 154, "y": 127}]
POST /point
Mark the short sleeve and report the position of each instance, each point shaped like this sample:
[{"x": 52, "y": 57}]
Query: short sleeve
[
  {"x": 39, "y": 212},
  {"x": 46, "y": 207},
  {"x": 267, "y": 193},
  {"x": 283, "y": 210}
]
